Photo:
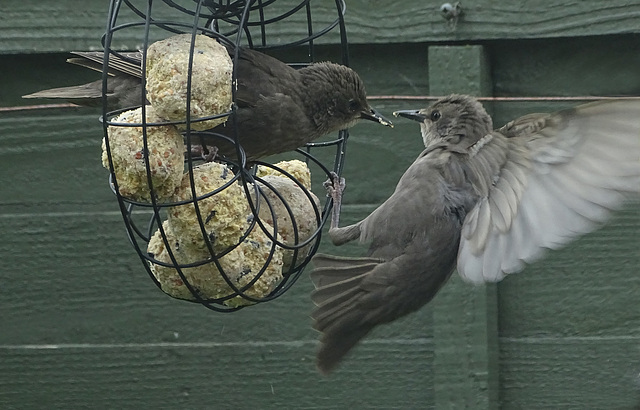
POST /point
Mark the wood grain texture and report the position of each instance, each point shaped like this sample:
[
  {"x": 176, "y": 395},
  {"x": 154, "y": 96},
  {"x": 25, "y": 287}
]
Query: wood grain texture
[
  {"x": 53, "y": 72},
  {"x": 71, "y": 277},
  {"x": 570, "y": 373},
  {"x": 570, "y": 325},
  {"x": 567, "y": 67},
  {"x": 465, "y": 317},
  {"x": 589, "y": 288},
  {"x": 82, "y": 326},
  {"x": 241, "y": 375},
  {"x": 32, "y": 26},
  {"x": 51, "y": 163},
  {"x": 487, "y": 20}
]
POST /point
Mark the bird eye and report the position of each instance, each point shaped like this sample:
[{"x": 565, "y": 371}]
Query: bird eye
[
  {"x": 435, "y": 115},
  {"x": 353, "y": 105}
]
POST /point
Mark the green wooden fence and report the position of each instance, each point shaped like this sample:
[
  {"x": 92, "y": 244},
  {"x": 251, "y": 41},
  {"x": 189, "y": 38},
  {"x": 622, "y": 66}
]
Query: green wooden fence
[{"x": 82, "y": 326}]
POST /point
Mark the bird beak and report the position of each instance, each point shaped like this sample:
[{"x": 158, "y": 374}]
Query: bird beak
[
  {"x": 415, "y": 115},
  {"x": 373, "y": 115}
]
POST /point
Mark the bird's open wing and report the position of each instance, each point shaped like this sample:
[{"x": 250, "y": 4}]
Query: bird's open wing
[
  {"x": 525, "y": 125},
  {"x": 564, "y": 173}
]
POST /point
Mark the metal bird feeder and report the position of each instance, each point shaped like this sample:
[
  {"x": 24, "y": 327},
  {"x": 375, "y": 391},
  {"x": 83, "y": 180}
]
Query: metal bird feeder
[{"x": 245, "y": 23}]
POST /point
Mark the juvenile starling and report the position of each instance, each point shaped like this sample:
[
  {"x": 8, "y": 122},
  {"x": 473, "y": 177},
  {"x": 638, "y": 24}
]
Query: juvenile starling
[
  {"x": 279, "y": 108},
  {"x": 485, "y": 201}
]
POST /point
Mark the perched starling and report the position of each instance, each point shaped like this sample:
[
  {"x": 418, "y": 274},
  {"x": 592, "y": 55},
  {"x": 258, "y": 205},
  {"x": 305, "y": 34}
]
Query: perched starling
[
  {"x": 279, "y": 108},
  {"x": 485, "y": 201}
]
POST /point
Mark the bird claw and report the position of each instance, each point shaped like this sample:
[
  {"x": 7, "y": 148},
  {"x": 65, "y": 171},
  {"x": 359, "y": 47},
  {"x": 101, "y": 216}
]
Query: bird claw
[
  {"x": 335, "y": 186},
  {"x": 206, "y": 153}
]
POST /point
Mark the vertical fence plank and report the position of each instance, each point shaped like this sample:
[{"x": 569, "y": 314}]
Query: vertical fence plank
[{"x": 465, "y": 316}]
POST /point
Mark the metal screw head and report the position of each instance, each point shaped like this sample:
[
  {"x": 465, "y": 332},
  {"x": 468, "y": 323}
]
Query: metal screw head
[{"x": 451, "y": 11}]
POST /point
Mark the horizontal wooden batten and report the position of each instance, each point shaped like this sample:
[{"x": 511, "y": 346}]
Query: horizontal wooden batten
[{"x": 36, "y": 27}]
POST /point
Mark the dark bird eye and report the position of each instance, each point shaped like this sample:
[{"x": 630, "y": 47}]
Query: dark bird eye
[
  {"x": 435, "y": 115},
  {"x": 353, "y": 105}
]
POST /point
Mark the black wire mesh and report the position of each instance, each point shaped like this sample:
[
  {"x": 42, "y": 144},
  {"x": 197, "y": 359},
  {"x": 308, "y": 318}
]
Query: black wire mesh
[{"x": 232, "y": 23}]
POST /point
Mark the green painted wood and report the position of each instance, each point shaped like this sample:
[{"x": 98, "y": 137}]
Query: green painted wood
[
  {"x": 459, "y": 69},
  {"x": 51, "y": 163},
  {"x": 570, "y": 373},
  {"x": 570, "y": 326},
  {"x": 465, "y": 317},
  {"x": 567, "y": 67},
  {"x": 590, "y": 288},
  {"x": 488, "y": 20},
  {"x": 81, "y": 268},
  {"x": 68, "y": 277},
  {"x": 81, "y": 319},
  {"x": 34, "y": 26},
  {"x": 89, "y": 323},
  {"x": 240, "y": 375},
  {"x": 38, "y": 72}
]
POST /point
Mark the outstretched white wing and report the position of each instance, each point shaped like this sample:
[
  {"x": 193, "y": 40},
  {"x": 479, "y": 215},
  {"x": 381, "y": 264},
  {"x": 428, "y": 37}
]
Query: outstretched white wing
[{"x": 564, "y": 174}]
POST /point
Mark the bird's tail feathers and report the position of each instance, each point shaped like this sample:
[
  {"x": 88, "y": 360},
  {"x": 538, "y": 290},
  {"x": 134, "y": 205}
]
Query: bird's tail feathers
[
  {"x": 86, "y": 63},
  {"x": 330, "y": 269},
  {"x": 69, "y": 93},
  {"x": 337, "y": 345},
  {"x": 338, "y": 314}
]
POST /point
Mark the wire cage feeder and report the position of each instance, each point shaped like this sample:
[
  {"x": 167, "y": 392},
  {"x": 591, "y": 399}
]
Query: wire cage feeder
[{"x": 241, "y": 232}]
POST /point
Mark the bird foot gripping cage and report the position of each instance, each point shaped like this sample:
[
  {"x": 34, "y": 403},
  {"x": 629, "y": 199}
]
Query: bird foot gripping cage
[{"x": 227, "y": 233}]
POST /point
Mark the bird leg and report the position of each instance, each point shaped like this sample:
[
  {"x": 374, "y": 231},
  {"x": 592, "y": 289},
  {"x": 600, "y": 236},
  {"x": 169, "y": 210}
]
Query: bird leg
[
  {"x": 335, "y": 187},
  {"x": 206, "y": 152}
]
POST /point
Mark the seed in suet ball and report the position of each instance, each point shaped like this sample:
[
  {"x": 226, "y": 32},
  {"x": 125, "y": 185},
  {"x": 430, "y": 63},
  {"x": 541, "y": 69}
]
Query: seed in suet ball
[
  {"x": 165, "y": 152},
  {"x": 240, "y": 266},
  {"x": 298, "y": 169},
  {"x": 225, "y": 214},
  {"x": 168, "y": 72},
  {"x": 301, "y": 212}
]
